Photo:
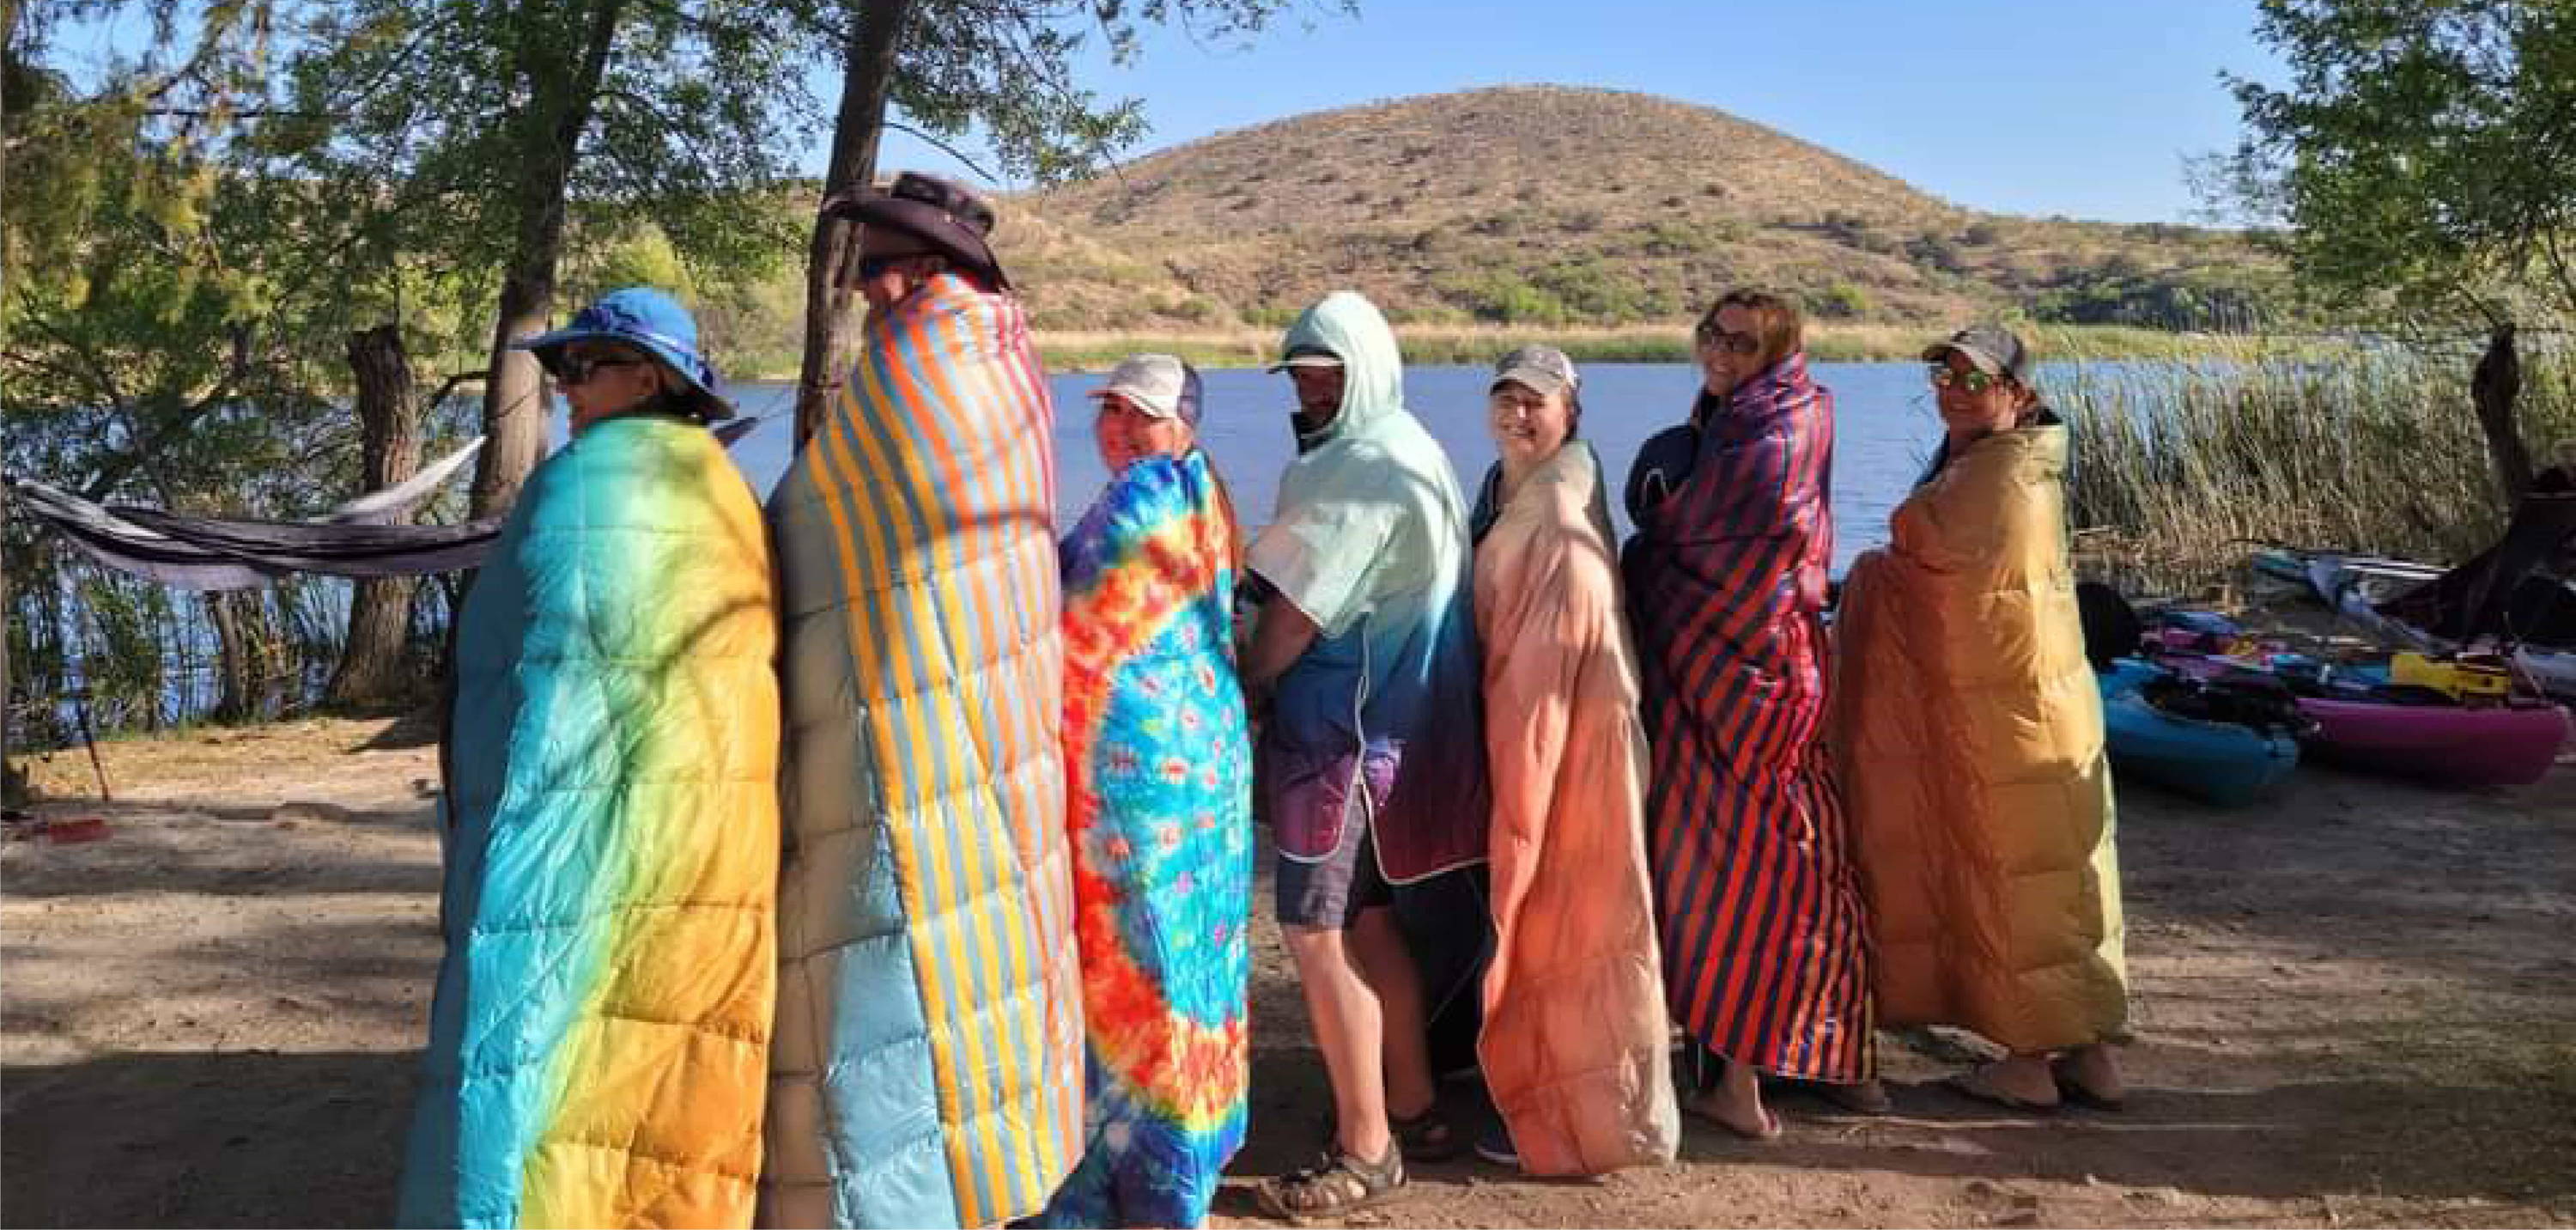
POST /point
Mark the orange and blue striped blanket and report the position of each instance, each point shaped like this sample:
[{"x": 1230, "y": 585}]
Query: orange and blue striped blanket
[{"x": 928, "y": 1063}]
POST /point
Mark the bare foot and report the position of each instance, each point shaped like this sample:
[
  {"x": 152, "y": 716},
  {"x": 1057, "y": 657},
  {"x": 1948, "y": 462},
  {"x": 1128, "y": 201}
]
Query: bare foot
[
  {"x": 1869, "y": 1097},
  {"x": 1736, "y": 1105},
  {"x": 2022, "y": 1082},
  {"x": 2090, "y": 1075}
]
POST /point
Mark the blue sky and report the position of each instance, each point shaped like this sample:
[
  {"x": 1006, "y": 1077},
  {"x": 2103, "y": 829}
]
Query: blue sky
[{"x": 2085, "y": 108}]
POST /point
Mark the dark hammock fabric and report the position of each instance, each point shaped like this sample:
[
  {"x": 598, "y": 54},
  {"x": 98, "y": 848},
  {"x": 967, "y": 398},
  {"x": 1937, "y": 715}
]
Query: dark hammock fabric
[
  {"x": 2502, "y": 590},
  {"x": 213, "y": 553}
]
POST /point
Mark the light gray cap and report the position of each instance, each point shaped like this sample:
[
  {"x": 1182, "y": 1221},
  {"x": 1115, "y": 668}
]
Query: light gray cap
[
  {"x": 1541, "y": 369},
  {"x": 1992, "y": 349},
  {"x": 1307, "y": 356},
  {"x": 1158, "y": 384}
]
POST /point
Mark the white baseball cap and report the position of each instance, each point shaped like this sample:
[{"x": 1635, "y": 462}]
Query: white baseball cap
[{"x": 1158, "y": 384}]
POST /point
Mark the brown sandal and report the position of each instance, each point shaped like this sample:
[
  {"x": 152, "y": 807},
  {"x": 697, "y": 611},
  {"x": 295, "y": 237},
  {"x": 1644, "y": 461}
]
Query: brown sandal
[
  {"x": 1335, "y": 1185},
  {"x": 1424, "y": 1137}
]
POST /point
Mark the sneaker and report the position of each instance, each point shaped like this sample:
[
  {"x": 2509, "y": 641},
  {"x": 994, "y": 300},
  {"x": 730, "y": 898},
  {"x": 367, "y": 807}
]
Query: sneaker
[{"x": 1496, "y": 1146}]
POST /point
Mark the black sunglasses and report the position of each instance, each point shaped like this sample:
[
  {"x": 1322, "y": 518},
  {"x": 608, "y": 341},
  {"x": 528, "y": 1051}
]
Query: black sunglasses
[
  {"x": 578, "y": 369},
  {"x": 1739, "y": 343}
]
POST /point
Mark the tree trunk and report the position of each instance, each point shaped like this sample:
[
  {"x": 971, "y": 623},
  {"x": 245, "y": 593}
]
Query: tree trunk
[
  {"x": 2493, "y": 387},
  {"x": 237, "y": 653},
  {"x": 514, "y": 397},
  {"x": 372, "y": 672},
  {"x": 563, "y": 89},
  {"x": 10, "y": 792},
  {"x": 867, "y": 75}
]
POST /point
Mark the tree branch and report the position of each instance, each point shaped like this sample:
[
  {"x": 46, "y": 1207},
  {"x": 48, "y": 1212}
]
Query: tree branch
[
  {"x": 247, "y": 113},
  {"x": 944, "y": 148},
  {"x": 94, "y": 372},
  {"x": 449, "y": 386}
]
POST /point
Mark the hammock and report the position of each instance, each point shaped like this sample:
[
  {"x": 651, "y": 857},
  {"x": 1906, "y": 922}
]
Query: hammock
[{"x": 213, "y": 553}]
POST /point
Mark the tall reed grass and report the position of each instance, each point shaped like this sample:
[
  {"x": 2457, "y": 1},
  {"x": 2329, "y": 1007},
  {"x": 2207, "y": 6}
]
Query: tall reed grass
[{"x": 2180, "y": 468}]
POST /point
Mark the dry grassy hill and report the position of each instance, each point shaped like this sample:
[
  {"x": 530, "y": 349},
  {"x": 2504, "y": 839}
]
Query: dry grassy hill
[{"x": 1554, "y": 205}]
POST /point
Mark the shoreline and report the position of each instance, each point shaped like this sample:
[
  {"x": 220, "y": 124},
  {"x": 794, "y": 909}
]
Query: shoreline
[{"x": 1476, "y": 344}]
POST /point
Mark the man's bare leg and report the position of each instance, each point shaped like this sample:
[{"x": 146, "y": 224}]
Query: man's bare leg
[
  {"x": 1350, "y": 1029},
  {"x": 1388, "y": 966}
]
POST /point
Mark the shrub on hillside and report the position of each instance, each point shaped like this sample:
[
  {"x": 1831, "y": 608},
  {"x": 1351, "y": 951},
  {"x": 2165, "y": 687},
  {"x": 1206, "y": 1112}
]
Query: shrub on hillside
[
  {"x": 1840, "y": 301},
  {"x": 1501, "y": 297}
]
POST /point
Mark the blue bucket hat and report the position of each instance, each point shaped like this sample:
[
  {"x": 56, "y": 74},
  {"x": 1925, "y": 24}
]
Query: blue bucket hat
[{"x": 648, "y": 320}]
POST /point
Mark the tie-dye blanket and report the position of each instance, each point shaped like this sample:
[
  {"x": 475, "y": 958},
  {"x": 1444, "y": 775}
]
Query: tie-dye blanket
[{"x": 1158, "y": 779}]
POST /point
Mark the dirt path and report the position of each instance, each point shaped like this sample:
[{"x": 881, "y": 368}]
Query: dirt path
[{"x": 2355, "y": 1006}]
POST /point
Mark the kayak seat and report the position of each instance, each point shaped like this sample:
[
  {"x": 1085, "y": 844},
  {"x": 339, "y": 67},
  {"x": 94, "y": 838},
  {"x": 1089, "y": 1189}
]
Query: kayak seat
[{"x": 2261, "y": 704}]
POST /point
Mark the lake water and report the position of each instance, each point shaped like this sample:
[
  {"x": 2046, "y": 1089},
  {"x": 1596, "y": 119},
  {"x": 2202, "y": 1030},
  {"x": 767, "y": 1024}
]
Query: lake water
[
  {"x": 1884, "y": 424},
  {"x": 1885, "y": 429}
]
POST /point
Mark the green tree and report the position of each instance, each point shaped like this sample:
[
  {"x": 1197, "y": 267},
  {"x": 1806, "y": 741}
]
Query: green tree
[
  {"x": 1003, "y": 68},
  {"x": 2421, "y": 147},
  {"x": 2425, "y": 148},
  {"x": 482, "y": 132}
]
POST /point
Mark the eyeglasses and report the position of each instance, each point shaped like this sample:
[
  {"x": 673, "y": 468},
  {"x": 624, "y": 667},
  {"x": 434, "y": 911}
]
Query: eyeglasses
[
  {"x": 574, "y": 369},
  {"x": 1943, "y": 376},
  {"x": 1709, "y": 334}
]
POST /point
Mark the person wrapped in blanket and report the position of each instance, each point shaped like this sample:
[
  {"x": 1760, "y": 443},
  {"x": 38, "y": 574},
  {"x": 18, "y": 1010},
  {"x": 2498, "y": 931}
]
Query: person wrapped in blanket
[
  {"x": 1765, "y": 941},
  {"x": 1158, "y": 794},
  {"x": 1968, "y": 730},
  {"x": 1371, "y": 758},
  {"x": 1574, "y": 1047},
  {"x": 599, "y": 1041},
  {"x": 928, "y": 1066}
]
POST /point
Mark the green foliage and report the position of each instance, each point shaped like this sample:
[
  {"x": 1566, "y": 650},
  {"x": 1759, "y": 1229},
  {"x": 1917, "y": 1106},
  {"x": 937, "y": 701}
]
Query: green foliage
[
  {"x": 1503, "y": 298},
  {"x": 2119, "y": 290},
  {"x": 2421, "y": 146},
  {"x": 1840, "y": 301},
  {"x": 1678, "y": 237},
  {"x": 443, "y": 113}
]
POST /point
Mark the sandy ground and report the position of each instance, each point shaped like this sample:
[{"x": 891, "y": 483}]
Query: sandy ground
[{"x": 2355, "y": 1005}]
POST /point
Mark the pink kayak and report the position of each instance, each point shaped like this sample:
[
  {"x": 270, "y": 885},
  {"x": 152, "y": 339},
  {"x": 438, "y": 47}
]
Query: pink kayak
[{"x": 2504, "y": 745}]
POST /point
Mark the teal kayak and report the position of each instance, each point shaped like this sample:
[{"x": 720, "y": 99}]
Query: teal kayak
[{"x": 2218, "y": 762}]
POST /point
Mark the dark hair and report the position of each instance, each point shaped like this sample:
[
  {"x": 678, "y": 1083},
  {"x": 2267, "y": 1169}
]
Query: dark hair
[{"x": 1777, "y": 322}]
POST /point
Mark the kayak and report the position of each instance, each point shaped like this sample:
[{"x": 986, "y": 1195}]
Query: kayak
[
  {"x": 2218, "y": 762},
  {"x": 2354, "y": 586},
  {"x": 2512, "y": 744}
]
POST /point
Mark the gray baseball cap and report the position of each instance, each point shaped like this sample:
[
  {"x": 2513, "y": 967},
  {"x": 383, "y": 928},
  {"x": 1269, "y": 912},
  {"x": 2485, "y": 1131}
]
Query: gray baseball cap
[
  {"x": 1541, "y": 369},
  {"x": 1158, "y": 384},
  {"x": 1992, "y": 349},
  {"x": 1307, "y": 356}
]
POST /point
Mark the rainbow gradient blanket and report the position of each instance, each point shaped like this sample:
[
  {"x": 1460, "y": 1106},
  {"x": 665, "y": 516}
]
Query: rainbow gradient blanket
[{"x": 599, "y": 1042}]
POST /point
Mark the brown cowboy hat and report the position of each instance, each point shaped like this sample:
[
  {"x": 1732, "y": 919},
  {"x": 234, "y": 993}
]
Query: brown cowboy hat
[{"x": 942, "y": 213}]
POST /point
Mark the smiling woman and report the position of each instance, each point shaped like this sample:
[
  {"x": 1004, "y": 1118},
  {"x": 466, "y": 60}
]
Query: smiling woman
[
  {"x": 1763, "y": 934},
  {"x": 1573, "y": 1047},
  {"x": 1158, "y": 804}
]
